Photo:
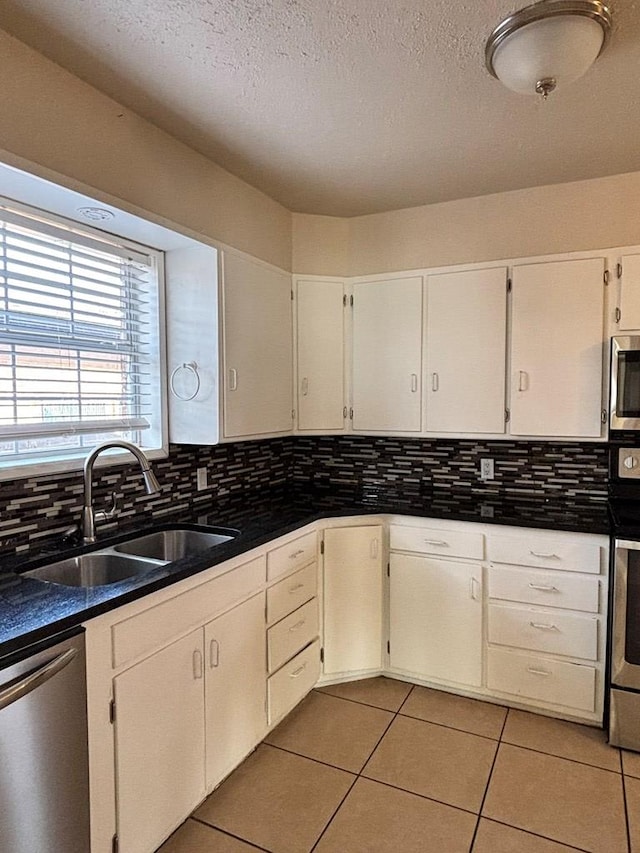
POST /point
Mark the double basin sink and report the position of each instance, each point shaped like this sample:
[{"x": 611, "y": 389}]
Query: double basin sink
[{"x": 135, "y": 556}]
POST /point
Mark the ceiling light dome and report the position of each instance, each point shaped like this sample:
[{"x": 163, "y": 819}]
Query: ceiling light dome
[{"x": 548, "y": 44}]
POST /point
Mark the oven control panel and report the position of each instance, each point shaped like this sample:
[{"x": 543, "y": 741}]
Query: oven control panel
[{"x": 629, "y": 463}]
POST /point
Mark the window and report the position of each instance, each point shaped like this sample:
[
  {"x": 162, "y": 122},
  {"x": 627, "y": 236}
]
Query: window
[{"x": 80, "y": 343}]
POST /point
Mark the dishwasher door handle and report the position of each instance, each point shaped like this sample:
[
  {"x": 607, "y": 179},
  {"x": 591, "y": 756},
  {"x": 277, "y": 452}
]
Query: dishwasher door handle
[{"x": 12, "y": 692}]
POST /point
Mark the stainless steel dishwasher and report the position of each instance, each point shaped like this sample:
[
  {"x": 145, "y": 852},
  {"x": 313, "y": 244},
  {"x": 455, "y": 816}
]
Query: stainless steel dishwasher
[{"x": 44, "y": 769}]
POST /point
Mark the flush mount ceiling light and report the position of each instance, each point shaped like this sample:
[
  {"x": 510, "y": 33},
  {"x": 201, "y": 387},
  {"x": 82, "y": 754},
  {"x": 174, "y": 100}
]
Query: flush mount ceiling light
[
  {"x": 548, "y": 44},
  {"x": 96, "y": 214}
]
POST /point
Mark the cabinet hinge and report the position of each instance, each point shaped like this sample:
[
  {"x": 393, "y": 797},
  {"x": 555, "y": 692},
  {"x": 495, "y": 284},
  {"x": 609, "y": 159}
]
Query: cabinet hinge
[
  {"x": 115, "y": 844},
  {"x": 509, "y": 285},
  {"x": 507, "y": 416},
  {"x": 388, "y": 647},
  {"x": 351, "y": 300},
  {"x": 344, "y": 300},
  {"x": 619, "y": 270},
  {"x": 603, "y": 416},
  {"x": 322, "y": 546},
  {"x": 321, "y": 655},
  {"x": 605, "y": 277},
  {"x": 618, "y": 315},
  {"x": 112, "y": 711}
]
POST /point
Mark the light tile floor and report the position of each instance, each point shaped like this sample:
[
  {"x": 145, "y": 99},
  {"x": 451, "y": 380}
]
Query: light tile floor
[{"x": 379, "y": 766}]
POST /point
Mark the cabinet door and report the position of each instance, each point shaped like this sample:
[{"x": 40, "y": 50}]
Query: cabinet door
[
  {"x": 159, "y": 730},
  {"x": 436, "y": 619},
  {"x": 557, "y": 348},
  {"x": 387, "y": 355},
  {"x": 466, "y": 351},
  {"x": 320, "y": 315},
  {"x": 236, "y": 679},
  {"x": 352, "y": 599},
  {"x": 630, "y": 294},
  {"x": 258, "y": 351}
]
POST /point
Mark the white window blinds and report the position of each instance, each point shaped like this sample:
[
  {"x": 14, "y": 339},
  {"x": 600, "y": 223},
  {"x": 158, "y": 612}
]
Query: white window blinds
[{"x": 78, "y": 338}]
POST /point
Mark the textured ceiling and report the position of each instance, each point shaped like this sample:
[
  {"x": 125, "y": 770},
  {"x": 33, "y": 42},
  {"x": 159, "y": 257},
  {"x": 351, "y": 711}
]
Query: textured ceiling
[{"x": 345, "y": 107}]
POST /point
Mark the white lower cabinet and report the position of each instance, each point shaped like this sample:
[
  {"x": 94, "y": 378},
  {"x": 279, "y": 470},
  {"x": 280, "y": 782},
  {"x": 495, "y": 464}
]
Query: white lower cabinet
[{"x": 435, "y": 622}]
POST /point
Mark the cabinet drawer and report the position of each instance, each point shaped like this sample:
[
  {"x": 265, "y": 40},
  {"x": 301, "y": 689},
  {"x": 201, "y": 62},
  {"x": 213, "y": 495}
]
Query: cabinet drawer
[
  {"x": 292, "y": 633},
  {"x": 291, "y": 556},
  {"x": 291, "y": 683},
  {"x": 545, "y": 552},
  {"x": 290, "y": 593},
  {"x": 548, "y": 589},
  {"x": 155, "y": 627},
  {"x": 427, "y": 540},
  {"x": 535, "y": 677},
  {"x": 556, "y": 632}
]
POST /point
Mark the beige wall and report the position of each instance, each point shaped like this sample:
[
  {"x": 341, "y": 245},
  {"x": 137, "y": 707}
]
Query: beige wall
[
  {"x": 53, "y": 120},
  {"x": 320, "y": 245},
  {"x": 543, "y": 220}
]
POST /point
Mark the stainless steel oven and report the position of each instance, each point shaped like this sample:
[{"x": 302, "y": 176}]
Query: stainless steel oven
[
  {"x": 624, "y": 407},
  {"x": 624, "y": 709}
]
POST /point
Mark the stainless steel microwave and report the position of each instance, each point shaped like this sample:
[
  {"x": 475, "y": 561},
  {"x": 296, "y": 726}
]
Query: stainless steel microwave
[{"x": 624, "y": 409}]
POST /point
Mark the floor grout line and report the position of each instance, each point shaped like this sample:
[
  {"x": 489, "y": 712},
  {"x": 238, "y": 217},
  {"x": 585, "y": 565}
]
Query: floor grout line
[
  {"x": 229, "y": 834},
  {"x": 536, "y": 834},
  {"x": 324, "y": 692},
  {"x": 624, "y": 800},
  {"x": 486, "y": 787},
  {"x": 561, "y": 757}
]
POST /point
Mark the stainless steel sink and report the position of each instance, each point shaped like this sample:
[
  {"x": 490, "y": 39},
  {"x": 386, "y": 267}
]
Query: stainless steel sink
[
  {"x": 95, "y": 569},
  {"x": 174, "y": 544}
]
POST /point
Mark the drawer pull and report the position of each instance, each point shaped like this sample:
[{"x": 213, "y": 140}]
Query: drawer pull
[
  {"x": 474, "y": 583},
  {"x": 298, "y": 672},
  {"x": 543, "y": 587},
  {"x": 214, "y": 654},
  {"x": 297, "y": 625},
  {"x": 296, "y": 554},
  {"x": 543, "y": 627},
  {"x": 535, "y": 671},
  {"x": 197, "y": 664},
  {"x": 295, "y": 588},
  {"x": 544, "y": 556},
  {"x": 442, "y": 543}
]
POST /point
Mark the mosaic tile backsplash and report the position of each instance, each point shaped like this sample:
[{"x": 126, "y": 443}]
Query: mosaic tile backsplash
[{"x": 35, "y": 511}]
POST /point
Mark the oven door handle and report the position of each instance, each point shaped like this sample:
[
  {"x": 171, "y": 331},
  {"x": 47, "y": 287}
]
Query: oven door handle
[{"x": 627, "y": 544}]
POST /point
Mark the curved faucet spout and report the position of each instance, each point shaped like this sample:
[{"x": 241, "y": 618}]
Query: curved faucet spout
[{"x": 89, "y": 516}]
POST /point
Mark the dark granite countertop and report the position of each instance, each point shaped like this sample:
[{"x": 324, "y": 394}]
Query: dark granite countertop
[{"x": 31, "y": 610}]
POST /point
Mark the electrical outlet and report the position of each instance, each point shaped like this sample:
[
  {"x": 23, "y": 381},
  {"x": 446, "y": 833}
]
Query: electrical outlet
[
  {"x": 201, "y": 479},
  {"x": 486, "y": 469}
]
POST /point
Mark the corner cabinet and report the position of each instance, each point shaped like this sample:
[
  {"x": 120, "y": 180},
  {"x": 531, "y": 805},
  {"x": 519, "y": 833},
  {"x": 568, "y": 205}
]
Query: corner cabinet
[
  {"x": 387, "y": 355},
  {"x": 257, "y": 360},
  {"x": 557, "y": 348}
]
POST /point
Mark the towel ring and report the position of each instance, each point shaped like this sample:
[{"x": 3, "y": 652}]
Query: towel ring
[{"x": 187, "y": 365}]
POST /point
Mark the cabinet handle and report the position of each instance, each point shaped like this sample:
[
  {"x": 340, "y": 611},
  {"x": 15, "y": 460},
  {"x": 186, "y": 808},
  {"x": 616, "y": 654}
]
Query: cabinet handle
[
  {"x": 535, "y": 671},
  {"x": 296, "y": 554},
  {"x": 214, "y": 654},
  {"x": 295, "y": 588},
  {"x": 373, "y": 549},
  {"x": 543, "y": 627},
  {"x": 473, "y": 585},
  {"x": 523, "y": 380},
  {"x": 297, "y": 626},
  {"x": 544, "y": 556},
  {"x": 414, "y": 383},
  {"x": 298, "y": 672},
  {"x": 543, "y": 587},
  {"x": 305, "y": 386},
  {"x": 233, "y": 379},
  {"x": 435, "y": 381},
  {"x": 442, "y": 543},
  {"x": 197, "y": 664}
]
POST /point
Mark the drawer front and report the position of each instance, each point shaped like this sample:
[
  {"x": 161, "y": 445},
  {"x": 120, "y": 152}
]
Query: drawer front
[
  {"x": 292, "y": 633},
  {"x": 287, "y": 595},
  {"x": 427, "y": 540},
  {"x": 292, "y": 683},
  {"x": 548, "y": 589},
  {"x": 532, "y": 677},
  {"x": 547, "y": 553},
  {"x": 556, "y": 632},
  {"x": 292, "y": 556},
  {"x": 157, "y": 626}
]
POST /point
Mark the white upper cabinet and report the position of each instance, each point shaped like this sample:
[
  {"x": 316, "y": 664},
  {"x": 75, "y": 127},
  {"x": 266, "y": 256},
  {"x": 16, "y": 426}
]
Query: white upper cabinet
[
  {"x": 387, "y": 355},
  {"x": 257, "y": 349},
  {"x": 629, "y": 306},
  {"x": 320, "y": 348},
  {"x": 466, "y": 351},
  {"x": 557, "y": 348}
]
